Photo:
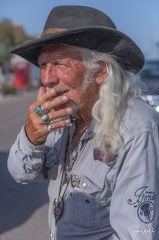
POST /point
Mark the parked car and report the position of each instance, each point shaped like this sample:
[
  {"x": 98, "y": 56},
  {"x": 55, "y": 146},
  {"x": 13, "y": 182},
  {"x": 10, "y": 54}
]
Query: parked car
[{"x": 149, "y": 76}]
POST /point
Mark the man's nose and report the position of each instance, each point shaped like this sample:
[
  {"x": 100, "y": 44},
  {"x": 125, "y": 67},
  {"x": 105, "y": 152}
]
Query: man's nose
[{"x": 50, "y": 75}]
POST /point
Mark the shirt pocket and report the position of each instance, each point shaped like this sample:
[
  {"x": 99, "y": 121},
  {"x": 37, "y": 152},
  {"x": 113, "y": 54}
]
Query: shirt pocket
[{"x": 84, "y": 200}]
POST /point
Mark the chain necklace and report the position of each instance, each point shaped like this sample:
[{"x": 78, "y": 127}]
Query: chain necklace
[
  {"x": 72, "y": 155},
  {"x": 58, "y": 203}
]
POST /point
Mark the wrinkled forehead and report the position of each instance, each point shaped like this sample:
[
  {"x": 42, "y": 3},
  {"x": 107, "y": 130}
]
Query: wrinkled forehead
[
  {"x": 61, "y": 49},
  {"x": 66, "y": 49}
]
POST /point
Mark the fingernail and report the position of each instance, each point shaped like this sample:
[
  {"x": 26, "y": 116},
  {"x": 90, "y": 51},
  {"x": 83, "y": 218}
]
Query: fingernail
[
  {"x": 64, "y": 98},
  {"x": 69, "y": 110},
  {"x": 67, "y": 121},
  {"x": 52, "y": 91}
]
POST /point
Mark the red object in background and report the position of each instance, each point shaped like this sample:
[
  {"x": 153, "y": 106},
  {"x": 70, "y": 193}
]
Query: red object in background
[{"x": 21, "y": 70}]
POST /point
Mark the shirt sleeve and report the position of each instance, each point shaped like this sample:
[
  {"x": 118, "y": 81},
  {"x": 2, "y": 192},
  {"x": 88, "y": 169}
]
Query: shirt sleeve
[
  {"x": 134, "y": 210},
  {"x": 25, "y": 160}
]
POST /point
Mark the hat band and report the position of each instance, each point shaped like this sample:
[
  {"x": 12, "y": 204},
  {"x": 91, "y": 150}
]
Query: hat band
[{"x": 52, "y": 31}]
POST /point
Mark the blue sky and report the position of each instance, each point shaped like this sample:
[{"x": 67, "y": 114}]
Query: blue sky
[{"x": 139, "y": 19}]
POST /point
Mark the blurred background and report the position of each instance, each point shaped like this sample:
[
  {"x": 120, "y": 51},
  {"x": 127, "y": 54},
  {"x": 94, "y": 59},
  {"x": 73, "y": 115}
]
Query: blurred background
[{"x": 23, "y": 209}]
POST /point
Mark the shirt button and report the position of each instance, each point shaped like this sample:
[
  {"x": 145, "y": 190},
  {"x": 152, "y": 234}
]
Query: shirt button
[{"x": 84, "y": 184}]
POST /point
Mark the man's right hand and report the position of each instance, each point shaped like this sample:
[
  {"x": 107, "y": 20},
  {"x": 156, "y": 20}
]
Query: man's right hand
[{"x": 35, "y": 127}]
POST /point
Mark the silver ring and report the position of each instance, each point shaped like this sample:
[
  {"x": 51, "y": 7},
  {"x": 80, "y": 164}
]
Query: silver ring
[
  {"x": 49, "y": 128},
  {"x": 40, "y": 110}
]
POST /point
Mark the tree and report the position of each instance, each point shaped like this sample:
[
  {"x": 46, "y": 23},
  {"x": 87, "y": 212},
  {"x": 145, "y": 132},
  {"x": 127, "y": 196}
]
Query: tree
[{"x": 10, "y": 36}]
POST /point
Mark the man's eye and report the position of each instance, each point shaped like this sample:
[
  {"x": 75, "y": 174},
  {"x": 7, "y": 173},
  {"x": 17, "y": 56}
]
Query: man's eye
[
  {"x": 62, "y": 64},
  {"x": 64, "y": 68},
  {"x": 43, "y": 65}
]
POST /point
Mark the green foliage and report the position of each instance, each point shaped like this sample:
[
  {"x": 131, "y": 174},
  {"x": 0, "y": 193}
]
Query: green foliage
[
  {"x": 8, "y": 89},
  {"x": 10, "y": 36},
  {"x": 4, "y": 57}
]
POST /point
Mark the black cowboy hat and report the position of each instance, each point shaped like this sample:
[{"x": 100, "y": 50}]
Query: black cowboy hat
[{"x": 88, "y": 28}]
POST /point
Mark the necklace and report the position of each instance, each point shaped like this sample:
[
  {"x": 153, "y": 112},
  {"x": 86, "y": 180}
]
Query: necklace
[
  {"x": 72, "y": 157},
  {"x": 58, "y": 203},
  {"x": 72, "y": 154}
]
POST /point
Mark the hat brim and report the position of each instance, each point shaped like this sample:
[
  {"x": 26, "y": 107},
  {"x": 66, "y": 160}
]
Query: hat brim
[{"x": 100, "y": 39}]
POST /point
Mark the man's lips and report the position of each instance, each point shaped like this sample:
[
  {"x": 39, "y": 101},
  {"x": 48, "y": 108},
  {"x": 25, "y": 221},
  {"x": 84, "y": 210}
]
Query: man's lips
[{"x": 62, "y": 91}]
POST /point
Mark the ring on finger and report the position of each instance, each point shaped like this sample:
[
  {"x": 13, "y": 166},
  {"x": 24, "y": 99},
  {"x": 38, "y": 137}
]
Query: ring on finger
[
  {"x": 45, "y": 118},
  {"x": 40, "y": 110},
  {"x": 49, "y": 128}
]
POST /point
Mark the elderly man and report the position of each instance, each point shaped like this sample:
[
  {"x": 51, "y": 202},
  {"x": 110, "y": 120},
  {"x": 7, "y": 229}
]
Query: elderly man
[{"x": 89, "y": 132}]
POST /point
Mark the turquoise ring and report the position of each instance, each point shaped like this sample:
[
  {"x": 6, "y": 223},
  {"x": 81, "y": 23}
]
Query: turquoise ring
[
  {"x": 45, "y": 118},
  {"x": 40, "y": 110},
  {"x": 37, "y": 110}
]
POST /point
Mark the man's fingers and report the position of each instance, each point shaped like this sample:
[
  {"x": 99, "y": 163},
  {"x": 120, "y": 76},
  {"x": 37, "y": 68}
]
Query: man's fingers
[
  {"x": 55, "y": 115},
  {"x": 56, "y": 102},
  {"x": 42, "y": 90},
  {"x": 44, "y": 95},
  {"x": 60, "y": 124}
]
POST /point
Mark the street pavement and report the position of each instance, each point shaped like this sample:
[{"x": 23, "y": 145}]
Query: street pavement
[{"x": 23, "y": 208}]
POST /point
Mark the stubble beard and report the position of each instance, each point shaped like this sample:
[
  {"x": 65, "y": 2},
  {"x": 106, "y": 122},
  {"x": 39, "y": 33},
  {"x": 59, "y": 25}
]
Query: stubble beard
[
  {"x": 86, "y": 83},
  {"x": 76, "y": 106}
]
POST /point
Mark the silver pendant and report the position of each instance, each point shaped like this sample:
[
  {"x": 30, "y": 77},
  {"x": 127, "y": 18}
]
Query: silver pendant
[{"x": 57, "y": 207}]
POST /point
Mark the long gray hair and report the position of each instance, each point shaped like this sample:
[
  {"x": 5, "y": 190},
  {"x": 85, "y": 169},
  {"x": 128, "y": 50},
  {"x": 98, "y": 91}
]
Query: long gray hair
[
  {"x": 110, "y": 107},
  {"x": 114, "y": 92}
]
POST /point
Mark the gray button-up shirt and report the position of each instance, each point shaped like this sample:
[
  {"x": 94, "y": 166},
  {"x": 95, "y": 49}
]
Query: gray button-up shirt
[{"x": 101, "y": 201}]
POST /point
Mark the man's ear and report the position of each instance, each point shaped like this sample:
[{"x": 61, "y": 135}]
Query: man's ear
[{"x": 101, "y": 75}]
